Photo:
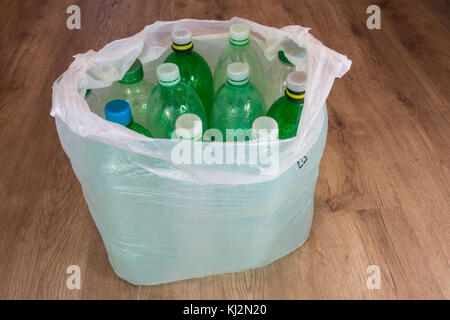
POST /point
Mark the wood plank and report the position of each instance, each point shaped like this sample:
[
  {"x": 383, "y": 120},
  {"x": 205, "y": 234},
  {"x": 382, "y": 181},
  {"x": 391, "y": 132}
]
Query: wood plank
[{"x": 382, "y": 196}]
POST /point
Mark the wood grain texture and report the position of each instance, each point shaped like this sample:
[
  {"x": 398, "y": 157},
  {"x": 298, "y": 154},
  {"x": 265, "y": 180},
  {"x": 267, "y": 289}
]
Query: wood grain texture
[{"x": 382, "y": 196}]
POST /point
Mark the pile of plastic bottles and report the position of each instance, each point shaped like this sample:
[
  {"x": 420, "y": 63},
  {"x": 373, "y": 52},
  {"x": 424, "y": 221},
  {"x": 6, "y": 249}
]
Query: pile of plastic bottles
[{"x": 189, "y": 103}]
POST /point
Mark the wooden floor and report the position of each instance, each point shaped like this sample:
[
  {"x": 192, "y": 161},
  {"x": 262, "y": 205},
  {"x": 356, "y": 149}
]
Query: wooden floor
[{"x": 382, "y": 196}]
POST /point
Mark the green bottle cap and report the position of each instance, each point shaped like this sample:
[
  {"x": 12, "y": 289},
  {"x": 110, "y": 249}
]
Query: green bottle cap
[
  {"x": 134, "y": 74},
  {"x": 283, "y": 58},
  {"x": 88, "y": 92}
]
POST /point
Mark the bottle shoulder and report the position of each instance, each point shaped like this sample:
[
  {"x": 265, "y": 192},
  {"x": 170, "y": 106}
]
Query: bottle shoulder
[
  {"x": 197, "y": 56},
  {"x": 192, "y": 59},
  {"x": 245, "y": 54},
  {"x": 238, "y": 51},
  {"x": 238, "y": 94},
  {"x": 141, "y": 85},
  {"x": 284, "y": 105},
  {"x": 130, "y": 92},
  {"x": 177, "y": 94}
]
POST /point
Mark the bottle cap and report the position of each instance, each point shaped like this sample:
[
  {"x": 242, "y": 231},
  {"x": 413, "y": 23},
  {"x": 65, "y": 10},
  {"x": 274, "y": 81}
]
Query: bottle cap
[
  {"x": 181, "y": 36},
  {"x": 189, "y": 126},
  {"x": 134, "y": 74},
  {"x": 118, "y": 111},
  {"x": 168, "y": 74},
  {"x": 265, "y": 128},
  {"x": 88, "y": 92},
  {"x": 237, "y": 73},
  {"x": 239, "y": 34},
  {"x": 296, "y": 81}
]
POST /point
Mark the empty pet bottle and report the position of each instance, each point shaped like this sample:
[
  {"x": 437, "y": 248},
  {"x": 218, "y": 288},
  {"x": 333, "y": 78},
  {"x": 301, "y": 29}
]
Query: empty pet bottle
[
  {"x": 194, "y": 70},
  {"x": 133, "y": 89},
  {"x": 170, "y": 99},
  {"x": 288, "y": 109},
  {"x": 281, "y": 67},
  {"x": 237, "y": 103},
  {"x": 239, "y": 49},
  {"x": 119, "y": 111}
]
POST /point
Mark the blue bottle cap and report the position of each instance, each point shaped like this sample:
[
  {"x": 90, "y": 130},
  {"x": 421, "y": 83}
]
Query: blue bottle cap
[{"x": 118, "y": 111}]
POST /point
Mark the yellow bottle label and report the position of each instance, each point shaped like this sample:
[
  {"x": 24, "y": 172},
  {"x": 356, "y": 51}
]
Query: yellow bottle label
[
  {"x": 182, "y": 48},
  {"x": 294, "y": 96}
]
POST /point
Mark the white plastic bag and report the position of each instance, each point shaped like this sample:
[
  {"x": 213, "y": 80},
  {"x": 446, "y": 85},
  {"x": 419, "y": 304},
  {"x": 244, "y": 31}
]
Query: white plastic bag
[{"x": 162, "y": 220}]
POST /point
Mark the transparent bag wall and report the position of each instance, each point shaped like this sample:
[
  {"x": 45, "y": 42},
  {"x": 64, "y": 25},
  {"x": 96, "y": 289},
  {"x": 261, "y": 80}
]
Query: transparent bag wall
[{"x": 157, "y": 229}]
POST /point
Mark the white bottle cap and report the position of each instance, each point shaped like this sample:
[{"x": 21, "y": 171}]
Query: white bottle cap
[
  {"x": 265, "y": 128},
  {"x": 296, "y": 81},
  {"x": 237, "y": 73},
  {"x": 181, "y": 36},
  {"x": 239, "y": 33},
  {"x": 189, "y": 127},
  {"x": 168, "y": 74}
]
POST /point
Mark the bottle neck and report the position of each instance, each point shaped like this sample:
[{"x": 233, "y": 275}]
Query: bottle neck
[
  {"x": 186, "y": 48},
  {"x": 240, "y": 83},
  {"x": 169, "y": 84},
  {"x": 239, "y": 43},
  {"x": 298, "y": 97}
]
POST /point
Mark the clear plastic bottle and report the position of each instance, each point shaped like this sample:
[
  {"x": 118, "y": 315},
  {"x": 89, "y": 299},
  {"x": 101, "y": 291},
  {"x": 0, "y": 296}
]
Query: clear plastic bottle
[
  {"x": 194, "y": 70},
  {"x": 170, "y": 99},
  {"x": 287, "y": 110},
  {"x": 133, "y": 89},
  {"x": 94, "y": 103},
  {"x": 280, "y": 69},
  {"x": 237, "y": 103},
  {"x": 189, "y": 127},
  {"x": 239, "y": 49},
  {"x": 119, "y": 111}
]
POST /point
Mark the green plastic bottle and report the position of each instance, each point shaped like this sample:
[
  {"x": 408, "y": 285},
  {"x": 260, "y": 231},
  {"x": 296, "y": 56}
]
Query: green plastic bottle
[
  {"x": 119, "y": 111},
  {"x": 170, "y": 99},
  {"x": 239, "y": 49},
  {"x": 276, "y": 77},
  {"x": 133, "y": 89},
  {"x": 288, "y": 109},
  {"x": 237, "y": 103},
  {"x": 194, "y": 70}
]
